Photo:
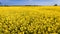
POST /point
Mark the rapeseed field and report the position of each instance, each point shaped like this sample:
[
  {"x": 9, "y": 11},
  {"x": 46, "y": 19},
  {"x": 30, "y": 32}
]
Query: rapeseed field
[{"x": 30, "y": 20}]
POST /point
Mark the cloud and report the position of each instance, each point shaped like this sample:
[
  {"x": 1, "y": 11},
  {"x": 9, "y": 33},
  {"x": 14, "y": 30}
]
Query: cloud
[{"x": 37, "y": 2}]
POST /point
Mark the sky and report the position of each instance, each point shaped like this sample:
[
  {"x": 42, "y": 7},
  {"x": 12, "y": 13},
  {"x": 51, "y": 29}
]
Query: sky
[{"x": 30, "y": 2}]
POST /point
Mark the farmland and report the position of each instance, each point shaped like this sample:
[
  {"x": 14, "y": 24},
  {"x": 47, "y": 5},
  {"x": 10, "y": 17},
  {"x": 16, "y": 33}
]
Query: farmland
[{"x": 30, "y": 20}]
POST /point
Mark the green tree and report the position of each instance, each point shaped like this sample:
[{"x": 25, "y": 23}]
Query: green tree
[{"x": 55, "y": 5}]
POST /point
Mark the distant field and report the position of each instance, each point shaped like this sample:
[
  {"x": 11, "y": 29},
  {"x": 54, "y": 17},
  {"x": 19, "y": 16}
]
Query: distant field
[
  {"x": 40, "y": 9},
  {"x": 30, "y": 20}
]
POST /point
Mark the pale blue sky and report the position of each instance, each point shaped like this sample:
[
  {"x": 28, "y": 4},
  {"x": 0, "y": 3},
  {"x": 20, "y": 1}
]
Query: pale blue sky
[{"x": 30, "y": 2}]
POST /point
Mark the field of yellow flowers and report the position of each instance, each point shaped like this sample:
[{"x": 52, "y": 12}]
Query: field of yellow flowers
[{"x": 30, "y": 20}]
